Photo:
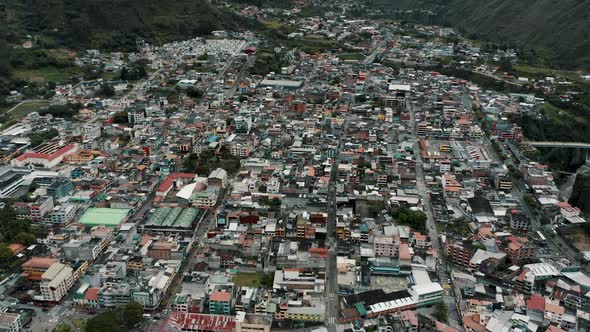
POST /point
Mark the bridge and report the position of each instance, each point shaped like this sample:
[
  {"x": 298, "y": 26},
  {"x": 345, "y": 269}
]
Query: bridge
[
  {"x": 572, "y": 145},
  {"x": 582, "y": 148}
]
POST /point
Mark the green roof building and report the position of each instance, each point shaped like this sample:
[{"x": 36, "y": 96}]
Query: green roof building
[{"x": 104, "y": 216}]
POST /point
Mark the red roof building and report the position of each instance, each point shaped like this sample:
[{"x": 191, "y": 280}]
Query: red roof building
[
  {"x": 201, "y": 322},
  {"x": 47, "y": 155}
]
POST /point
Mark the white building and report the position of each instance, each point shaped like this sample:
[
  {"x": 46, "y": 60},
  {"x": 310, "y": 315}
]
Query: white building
[
  {"x": 10, "y": 322},
  {"x": 56, "y": 282}
]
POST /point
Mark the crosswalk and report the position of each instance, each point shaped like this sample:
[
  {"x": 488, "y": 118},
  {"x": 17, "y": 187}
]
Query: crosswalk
[
  {"x": 331, "y": 296},
  {"x": 331, "y": 320}
]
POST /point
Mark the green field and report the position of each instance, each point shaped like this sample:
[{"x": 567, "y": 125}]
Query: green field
[
  {"x": 26, "y": 108},
  {"x": 351, "y": 56},
  {"x": 247, "y": 279},
  {"x": 47, "y": 74},
  {"x": 252, "y": 279},
  {"x": 542, "y": 72},
  {"x": 559, "y": 116}
]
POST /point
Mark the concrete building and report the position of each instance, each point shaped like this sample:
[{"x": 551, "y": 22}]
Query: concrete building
[
  {"x": 10, "y": 322},
  {"x": 220, "y": 303},
  {"x": 36, "y": 266},
  {"x": 56, "y": 282}
]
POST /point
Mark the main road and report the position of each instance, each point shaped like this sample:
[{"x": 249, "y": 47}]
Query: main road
[
  {"x": 331, "y": 292},
  {"x": 443, "y": 274}
]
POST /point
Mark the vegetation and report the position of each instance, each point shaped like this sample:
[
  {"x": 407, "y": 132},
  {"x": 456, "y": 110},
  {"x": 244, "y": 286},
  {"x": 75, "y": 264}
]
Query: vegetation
[
  {"x": 63, "y": 327},
  {"x": 535, "y": 28},
  {"x": 581, "y": 191},
  {"x": 375, "y": 207},
  {"x": 207, "y": 161},
  {"x": 116, "y": 25},
  {"x": 134, "y": 72},
  {"x": 63, "y": 111},
  {"x": 266, "y": 61},
  {"x": 415, "y": 219},
  {"x": 441, "y": 312},
  {"x": 486, "y": 82},
  {"x": 38, "y": 138},
  {"x": 13, "y": 230},
  {"x": 124, "y": 318},
  {"x": 121, "y": 117},
  {"x": 25, "y": 108},
  {"x": 253, "y": 279}
]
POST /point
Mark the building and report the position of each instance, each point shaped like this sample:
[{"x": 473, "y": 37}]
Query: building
[
  {"x": 220, "y": 303},
  {"x": 46, "y": 155},
  {"x": 114, "y": 294},
  {"x": 460, "y": 254},
  {"x": 60, "y": 188},
  {"x": 56, "y": 282},
  {"x": 10, "y": 322},
  {"x": 165, "y": 250},
  {"x": 34, "y": 211},
  {"x": 104, "y": 217},
  {"x": 519, "y": 249},
  {"x": 246, "y": 322},
  {"x": 385, "y": 246},
  {"x": 62, "y": 214},
  {"x": 217, "y": 178},
  {"x": 34, "y": 268},
  {"x": 136, "y": 116},
  {"x": 186, "y": 321}
]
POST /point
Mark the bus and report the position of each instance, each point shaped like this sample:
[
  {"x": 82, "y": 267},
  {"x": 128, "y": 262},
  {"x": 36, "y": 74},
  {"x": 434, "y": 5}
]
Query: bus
[{"x": 542, "y": 241}]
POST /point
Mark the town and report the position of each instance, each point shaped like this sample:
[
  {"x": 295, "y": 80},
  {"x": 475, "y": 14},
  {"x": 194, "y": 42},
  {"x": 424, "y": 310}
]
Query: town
[{"x": 334, "y": 181}]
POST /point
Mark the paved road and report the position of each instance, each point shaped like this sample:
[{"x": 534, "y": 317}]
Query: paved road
[
  {"x": 556, "y": 243},
  {"x": 449, "y": 293},
  {"x": 332, "y": 300}
]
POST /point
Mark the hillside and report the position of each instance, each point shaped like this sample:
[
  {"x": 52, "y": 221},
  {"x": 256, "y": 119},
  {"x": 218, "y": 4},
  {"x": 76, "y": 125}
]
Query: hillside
[
  {"x": 112, "y": 24},
  {"x": 558, "y": 30}
]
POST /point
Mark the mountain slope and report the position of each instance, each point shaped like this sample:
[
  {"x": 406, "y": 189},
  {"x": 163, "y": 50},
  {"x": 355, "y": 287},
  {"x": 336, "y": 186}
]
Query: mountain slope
[
  {"x": 114, "y": 24},
  {"x": 559, "y": 29}
]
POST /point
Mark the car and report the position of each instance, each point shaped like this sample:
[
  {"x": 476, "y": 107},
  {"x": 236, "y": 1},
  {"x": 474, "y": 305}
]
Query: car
[
  {"x": 45, "y": 309},
  {"x": 449, "y": 281}
]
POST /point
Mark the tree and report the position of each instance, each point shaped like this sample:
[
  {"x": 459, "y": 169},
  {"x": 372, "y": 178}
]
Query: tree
[
  {"x": 63, "y": 327},
  {"x": 441, "y": 312},
  {"x": 375, "y": 208},
  {"x": 107, "y": 90},
  {"x": 132, "y": 314},
  {"x": 36, "y": 139},
  {"x": 267, "y": 280},
  {"x": 194, "y": 93},
  {"x": 25, "y": 238},
  {"x": 106, "y": 321},
  {"x": 121, "y": 117},
  {"x": 6, "y": 256}
]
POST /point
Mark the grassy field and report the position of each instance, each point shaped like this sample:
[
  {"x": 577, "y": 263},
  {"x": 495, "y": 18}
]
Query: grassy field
[
  {"x": 542, "y": 72},
  {"x": 248, "y": 279},
  {"x": 558, "y": 115},
  {"x": 79, "y": 323},
  {"x": 26, "y": 108},
  {"x": 351, "y": 56},
  {"x": 47, "y": 74}
]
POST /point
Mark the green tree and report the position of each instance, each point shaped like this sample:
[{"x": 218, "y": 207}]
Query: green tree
[
  {"x": 36, "y": 139},
  {"x": 106, "y": 321},
  {"x": 25, "y": 238},
  {"x": 441, "y": 312},
  {"x": 107, "y": 90},
  {"x": 6, "y": 256},
  {"x": 121, "y": 117},
  {"x": 63, "y": 327},
  {"x": 132, "y": 314}
]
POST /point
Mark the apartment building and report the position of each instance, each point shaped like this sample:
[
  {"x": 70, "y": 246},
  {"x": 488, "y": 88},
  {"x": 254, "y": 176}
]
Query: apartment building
[{"x": 56, "y": 282}]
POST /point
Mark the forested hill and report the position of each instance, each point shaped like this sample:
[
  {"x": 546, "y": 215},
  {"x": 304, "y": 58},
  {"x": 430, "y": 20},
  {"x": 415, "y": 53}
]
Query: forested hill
[
  {"x": 558, "y": 30},
  {"x": 113, "y": 24}
]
